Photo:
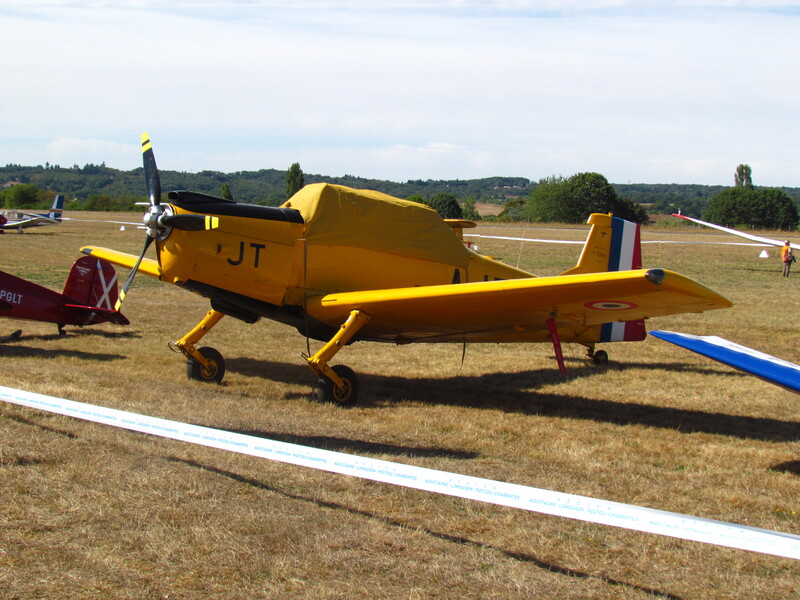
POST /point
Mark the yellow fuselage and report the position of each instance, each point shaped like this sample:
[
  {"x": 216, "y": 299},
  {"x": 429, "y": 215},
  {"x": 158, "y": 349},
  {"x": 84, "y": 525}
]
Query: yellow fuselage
[{"x": 274, "y": 262}]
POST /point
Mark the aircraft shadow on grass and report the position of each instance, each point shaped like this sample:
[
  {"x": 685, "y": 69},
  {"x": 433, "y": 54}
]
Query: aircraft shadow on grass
[
  {"x": 21, "y": 336},
  {"x": 790, "y": 466},
  {"x": 24, "y": 461},
  {"x": 28, "y": 461},
  {"x": 395, "y": 523},
  {"x": 18, "y": 351},
  {"x": 108, "y": 334},
  {"x": 511, "y": 392},
  {"x": 14, "y": 346},
  {"x": 352, "y": 446}
]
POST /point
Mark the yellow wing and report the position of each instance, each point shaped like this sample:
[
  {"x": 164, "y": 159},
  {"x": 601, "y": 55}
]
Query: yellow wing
[
  {"x": 517, "y": 309},
  {"x": 148, "y": 266}
]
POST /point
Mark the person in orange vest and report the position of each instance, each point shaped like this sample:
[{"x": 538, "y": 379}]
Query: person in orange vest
[{"x": 787, "y": 256}]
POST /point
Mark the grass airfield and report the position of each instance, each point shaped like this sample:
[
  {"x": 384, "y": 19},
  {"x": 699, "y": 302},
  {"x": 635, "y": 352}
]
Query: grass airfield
[{"x": 90, "y": 511}]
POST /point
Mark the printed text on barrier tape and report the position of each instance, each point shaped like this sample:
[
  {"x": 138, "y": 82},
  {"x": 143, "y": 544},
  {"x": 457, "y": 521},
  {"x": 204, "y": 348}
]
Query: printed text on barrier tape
[{"x": 583, "y": 508}]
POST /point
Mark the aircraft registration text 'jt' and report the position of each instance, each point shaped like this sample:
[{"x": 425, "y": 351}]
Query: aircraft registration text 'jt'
[{"x": 255, "y": 255}]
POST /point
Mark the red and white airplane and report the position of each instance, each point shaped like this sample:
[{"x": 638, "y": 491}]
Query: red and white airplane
[{"x": 89, "y": 297}]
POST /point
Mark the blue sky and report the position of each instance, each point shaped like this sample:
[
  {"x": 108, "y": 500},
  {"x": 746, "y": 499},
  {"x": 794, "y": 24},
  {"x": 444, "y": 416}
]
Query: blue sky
[{"x": 652, "y": 92}]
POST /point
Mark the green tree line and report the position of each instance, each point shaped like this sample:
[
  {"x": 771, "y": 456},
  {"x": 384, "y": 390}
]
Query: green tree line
[
  {"x": 97, "y": 187},
  {"x": 746, "y": 205},
  {"x": 573, "y": 199},
  {"x": 265, "y": 186}
]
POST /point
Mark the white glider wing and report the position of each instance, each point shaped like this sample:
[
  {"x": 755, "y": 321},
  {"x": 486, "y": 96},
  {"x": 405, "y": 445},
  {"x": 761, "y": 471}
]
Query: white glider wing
[
  {"x": 748, "y": 236},
  {"x": 764, "y": 366}
]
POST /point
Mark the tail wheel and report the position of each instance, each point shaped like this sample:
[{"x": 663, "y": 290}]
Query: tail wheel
[
  {"x": 215, "y": 370},
  {"x": 328, "y": 392},
  {"x": 600, "y": 357}
]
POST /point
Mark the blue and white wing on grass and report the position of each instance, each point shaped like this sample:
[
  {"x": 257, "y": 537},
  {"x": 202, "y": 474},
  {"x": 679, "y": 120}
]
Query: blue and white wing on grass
[{"x": 764, "y": 366}]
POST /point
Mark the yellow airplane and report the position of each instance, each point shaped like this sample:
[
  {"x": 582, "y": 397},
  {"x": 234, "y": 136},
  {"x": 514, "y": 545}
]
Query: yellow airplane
[{"x": 343, "y": 265}]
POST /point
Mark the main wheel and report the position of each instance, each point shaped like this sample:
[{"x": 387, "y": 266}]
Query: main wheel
[
  {"x": 215, "y": 371},
  {"x": 328, "y": 392}
]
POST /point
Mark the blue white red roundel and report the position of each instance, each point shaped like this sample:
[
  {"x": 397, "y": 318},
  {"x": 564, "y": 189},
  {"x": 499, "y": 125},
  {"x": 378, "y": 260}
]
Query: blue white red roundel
[{"x": 610, "y": 305}]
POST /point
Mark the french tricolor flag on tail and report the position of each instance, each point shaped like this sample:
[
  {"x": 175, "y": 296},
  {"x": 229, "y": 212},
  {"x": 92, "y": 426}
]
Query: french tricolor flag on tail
[
  {"x": 626, "y": 246},
  {"x": 613, "y": 244},
  {"x": 625, "y": 254}
]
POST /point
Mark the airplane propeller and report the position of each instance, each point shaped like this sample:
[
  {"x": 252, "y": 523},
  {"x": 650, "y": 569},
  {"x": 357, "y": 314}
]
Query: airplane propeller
[{"x": 160, "y": 220}]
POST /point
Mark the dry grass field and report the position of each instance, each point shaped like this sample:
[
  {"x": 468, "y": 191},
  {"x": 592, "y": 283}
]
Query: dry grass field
[{"x": 89, "y": 511}]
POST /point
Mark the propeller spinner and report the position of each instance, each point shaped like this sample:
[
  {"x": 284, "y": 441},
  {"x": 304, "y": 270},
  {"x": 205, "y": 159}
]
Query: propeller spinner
[{"x": 160, "y": 220}]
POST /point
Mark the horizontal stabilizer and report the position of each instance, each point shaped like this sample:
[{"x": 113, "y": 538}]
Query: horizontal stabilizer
[
  {"x": 769, "y": 368},
  {"x": 113, "y": 316}
]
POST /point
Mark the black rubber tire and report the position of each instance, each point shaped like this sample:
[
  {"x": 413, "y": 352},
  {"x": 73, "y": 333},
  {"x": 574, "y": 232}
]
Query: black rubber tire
[
  {"x": 600, "y": 357},
  {"x": 328, "y": 392},
  {"x": 194, "y": 370}
]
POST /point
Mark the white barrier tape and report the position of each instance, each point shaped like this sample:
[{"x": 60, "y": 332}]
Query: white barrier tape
[
  {"x": 521, "y": 239},
  {"x": 552, "y": 241},
  {"x": 548, "y": 502}
]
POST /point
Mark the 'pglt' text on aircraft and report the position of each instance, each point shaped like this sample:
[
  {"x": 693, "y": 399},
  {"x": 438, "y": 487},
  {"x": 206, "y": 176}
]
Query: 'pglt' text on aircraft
[
  {"x": 15, "y": 219},
  {"x": 343, "y": 265}
]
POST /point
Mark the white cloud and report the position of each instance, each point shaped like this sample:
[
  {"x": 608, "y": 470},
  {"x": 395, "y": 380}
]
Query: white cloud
[{"x": 405, "y": 90}]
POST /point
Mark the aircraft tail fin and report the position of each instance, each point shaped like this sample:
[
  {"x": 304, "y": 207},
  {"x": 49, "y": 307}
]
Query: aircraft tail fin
[
  {"x": 613, "y": 244},
  {"x": 92, "y": 284},
  {"x": 57, "y": 208}
]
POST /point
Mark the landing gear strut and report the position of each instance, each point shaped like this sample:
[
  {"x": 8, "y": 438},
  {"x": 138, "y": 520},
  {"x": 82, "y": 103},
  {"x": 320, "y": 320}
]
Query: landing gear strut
[
  {"x": 337, "y": 384},
  {"x": 205, "y": 364},
  {"x": 552, "y": 329}
]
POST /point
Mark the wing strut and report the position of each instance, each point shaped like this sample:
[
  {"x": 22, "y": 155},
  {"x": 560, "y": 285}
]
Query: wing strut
[{"x": 553, "y": 329}]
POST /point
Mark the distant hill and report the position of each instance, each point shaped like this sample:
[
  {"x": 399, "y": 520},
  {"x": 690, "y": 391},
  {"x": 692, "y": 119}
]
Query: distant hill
[
  {"x": 691, "y": 199},
  {"x": 268, "y": 186}
]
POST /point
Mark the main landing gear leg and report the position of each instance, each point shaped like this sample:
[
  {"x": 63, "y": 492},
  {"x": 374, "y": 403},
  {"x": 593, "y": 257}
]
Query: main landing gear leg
[
  {"x": 205, "y": 364},
  {"x": 339, "y": 383}
]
